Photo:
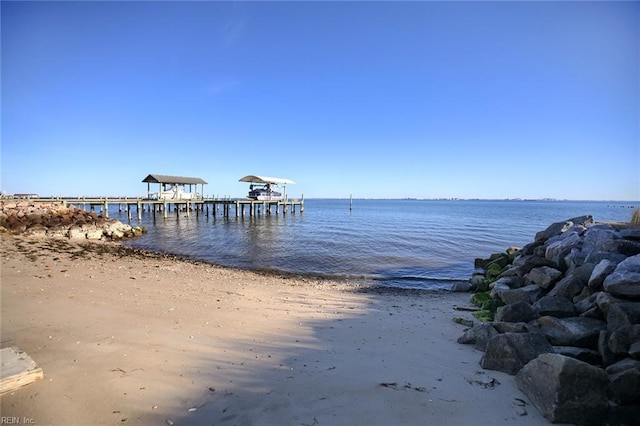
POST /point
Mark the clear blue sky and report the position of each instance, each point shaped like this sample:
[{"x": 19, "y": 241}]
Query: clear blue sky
[{"x": 374, "y": 99}]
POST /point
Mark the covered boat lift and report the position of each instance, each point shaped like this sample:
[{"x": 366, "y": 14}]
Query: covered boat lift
[
  {"x": 266, "y": 193},
  {"x": 173, "y": 187}
]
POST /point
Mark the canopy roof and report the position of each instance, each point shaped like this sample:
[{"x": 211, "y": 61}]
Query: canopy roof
[
  {"x": 265, "y": 179},
  {"x": 181, "y": 180}
]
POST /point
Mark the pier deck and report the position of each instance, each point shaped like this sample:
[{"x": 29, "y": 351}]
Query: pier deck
[{"x": 205, "y": 206}]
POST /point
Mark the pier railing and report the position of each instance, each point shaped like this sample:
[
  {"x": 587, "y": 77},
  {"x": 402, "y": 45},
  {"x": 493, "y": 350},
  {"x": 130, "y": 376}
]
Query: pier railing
[{"x": 205, "y": 206}]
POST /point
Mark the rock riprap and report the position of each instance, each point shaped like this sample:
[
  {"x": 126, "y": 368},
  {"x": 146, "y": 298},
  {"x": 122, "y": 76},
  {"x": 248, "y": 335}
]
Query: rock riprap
[
  {"x": 562, "y": 314},
  {"x": 53, "y": 219}
]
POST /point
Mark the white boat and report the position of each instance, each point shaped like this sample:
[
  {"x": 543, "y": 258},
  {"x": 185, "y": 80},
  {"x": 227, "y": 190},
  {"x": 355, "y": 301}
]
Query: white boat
[
  {"x": 262, "y": 188},
  {"x": 263, "y": 193},
  {"x": 175, "y": 192}
]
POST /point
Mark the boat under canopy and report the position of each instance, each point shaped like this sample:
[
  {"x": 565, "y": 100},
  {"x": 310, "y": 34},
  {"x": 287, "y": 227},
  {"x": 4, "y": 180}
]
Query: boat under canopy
[{"x": 261, "y": 187}]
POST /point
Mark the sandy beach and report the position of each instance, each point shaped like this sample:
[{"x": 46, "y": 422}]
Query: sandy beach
[{"x": 127, "y": 338}]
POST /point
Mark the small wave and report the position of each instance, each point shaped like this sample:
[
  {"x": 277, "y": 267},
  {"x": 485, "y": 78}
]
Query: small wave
[{"x": 422, "y": 283}]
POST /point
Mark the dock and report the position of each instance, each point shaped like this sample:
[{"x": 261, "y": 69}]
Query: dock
[{"x": 227, "y": 207}]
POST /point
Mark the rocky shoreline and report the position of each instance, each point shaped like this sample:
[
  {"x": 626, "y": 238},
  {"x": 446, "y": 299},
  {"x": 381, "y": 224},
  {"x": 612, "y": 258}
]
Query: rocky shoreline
[
  {"x": 54, "y": 219},
  {"x": 562, "y": 314}
]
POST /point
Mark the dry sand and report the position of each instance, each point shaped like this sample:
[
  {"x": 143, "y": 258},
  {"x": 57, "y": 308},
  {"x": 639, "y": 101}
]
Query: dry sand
[{"x": 134, "y": 339}]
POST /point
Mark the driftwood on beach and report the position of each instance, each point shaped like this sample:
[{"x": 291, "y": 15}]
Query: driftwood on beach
[
  {"x": 566, "y": 320},
  {"x": 18, "y": 369}
]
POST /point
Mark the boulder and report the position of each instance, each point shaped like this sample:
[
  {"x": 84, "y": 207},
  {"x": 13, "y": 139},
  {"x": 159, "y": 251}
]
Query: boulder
[
  {"x": 621, "y": 339},
  {"x": 478, "y": 335},
  {"x": 624, "y": 378},
  {"x": 634, "y": 350},
  {"x": 625, "y": 279},
  {"x": 58, "y": 232},
  {"x": 457, "y": 287},
  {"x": 543, "y": 276},
  {"x": 589, "y": 356},
  {"x": 622, "y": 314},
  {"x": 560, "y": 227},
  {"x": 565, "y": 390},
  {"x": 116, "y": 230},
  {"x": 509, "y": 352},
  {"x": 557, "y": 250},
  {"x": 77, "y": 233},
  {"x": 93, "y": 232},
  {"x": 577, "y": 331},
  {"x": 573, "y": 282},
  {"x": 608, "y": 357},
  {"x": 554, "y": 306},
  {"x": 524, "y": 264},
  {"x": 512, "y": 327},
  {"x": 600, "y": 237},
  {"x": 498, "y": 287},
  {"x": 516, "y": 312},
  {"x": 600, "y": 272},
  {"x": 528, "y": 294},
  {"x": 632, "y": 234}
]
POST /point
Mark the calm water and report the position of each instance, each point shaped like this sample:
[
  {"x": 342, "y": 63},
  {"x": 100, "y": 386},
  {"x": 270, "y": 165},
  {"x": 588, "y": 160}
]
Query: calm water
[{"x": 399, "y": 243}]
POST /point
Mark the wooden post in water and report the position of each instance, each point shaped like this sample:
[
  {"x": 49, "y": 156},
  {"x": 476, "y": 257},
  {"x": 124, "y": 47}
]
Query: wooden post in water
[
  {"x": 350, "y": 202},
  {"x": 106, "y": 208}
]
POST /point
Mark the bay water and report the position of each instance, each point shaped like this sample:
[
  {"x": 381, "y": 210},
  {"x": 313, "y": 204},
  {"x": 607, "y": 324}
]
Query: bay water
[{"x": 419, "y": 244}]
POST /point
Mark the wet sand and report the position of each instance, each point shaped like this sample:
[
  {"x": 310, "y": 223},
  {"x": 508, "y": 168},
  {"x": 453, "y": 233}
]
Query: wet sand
[{"x": 129, "y": 338}]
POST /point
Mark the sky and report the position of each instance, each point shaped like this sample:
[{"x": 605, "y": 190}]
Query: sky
[{"x": 365, "y": 99}]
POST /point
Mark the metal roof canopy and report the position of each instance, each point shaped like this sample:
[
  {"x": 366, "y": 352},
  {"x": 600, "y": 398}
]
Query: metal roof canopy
[
  {"x": 265, "y": 179},
  {"x": 181, "y": 180}
]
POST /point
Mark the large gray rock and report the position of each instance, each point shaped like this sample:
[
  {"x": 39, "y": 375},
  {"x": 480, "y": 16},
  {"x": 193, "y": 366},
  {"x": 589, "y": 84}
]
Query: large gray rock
[
  {"x": 608, "y": 357},
  {"x": 596, "y": 256},
  {"x": 557, "y": 250},
  {"x": 513, "y": 327},
  {"x": 577, "y": 331},
  {"x": 528, "y": 294},
  {"x": 600, "y": 238},
  {"x": 554, "y": 306},
  {"x": 572, "y": 283},
  {"x": 621, "y": 339},
  {"x": 543, "y": 276},
  {"x": 588, "y": 307},
  {"x": 625, "y": 279},
  {"x": 522, "y": 265},
  {"x": 565, "y": 390},
  {"x": 622, "y": 314},
  {"x": 509, "y": 352},
  {"x": 605, "y": 301},
  {"x": 478, "y": 335},
  {"x": 605, "y": 238},
  {"x": 632, "y": 234},
  {"x": 560, "y": 227},
  {"x": 582, "y": 354},
  {"x": 516, "y": 312},
  {"x": 600, "y": 272},
  {"x": 624, "y": 377}
]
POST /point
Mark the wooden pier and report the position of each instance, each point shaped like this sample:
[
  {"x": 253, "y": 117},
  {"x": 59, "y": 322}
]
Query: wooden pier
[{"x": 227, "y": 207}]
